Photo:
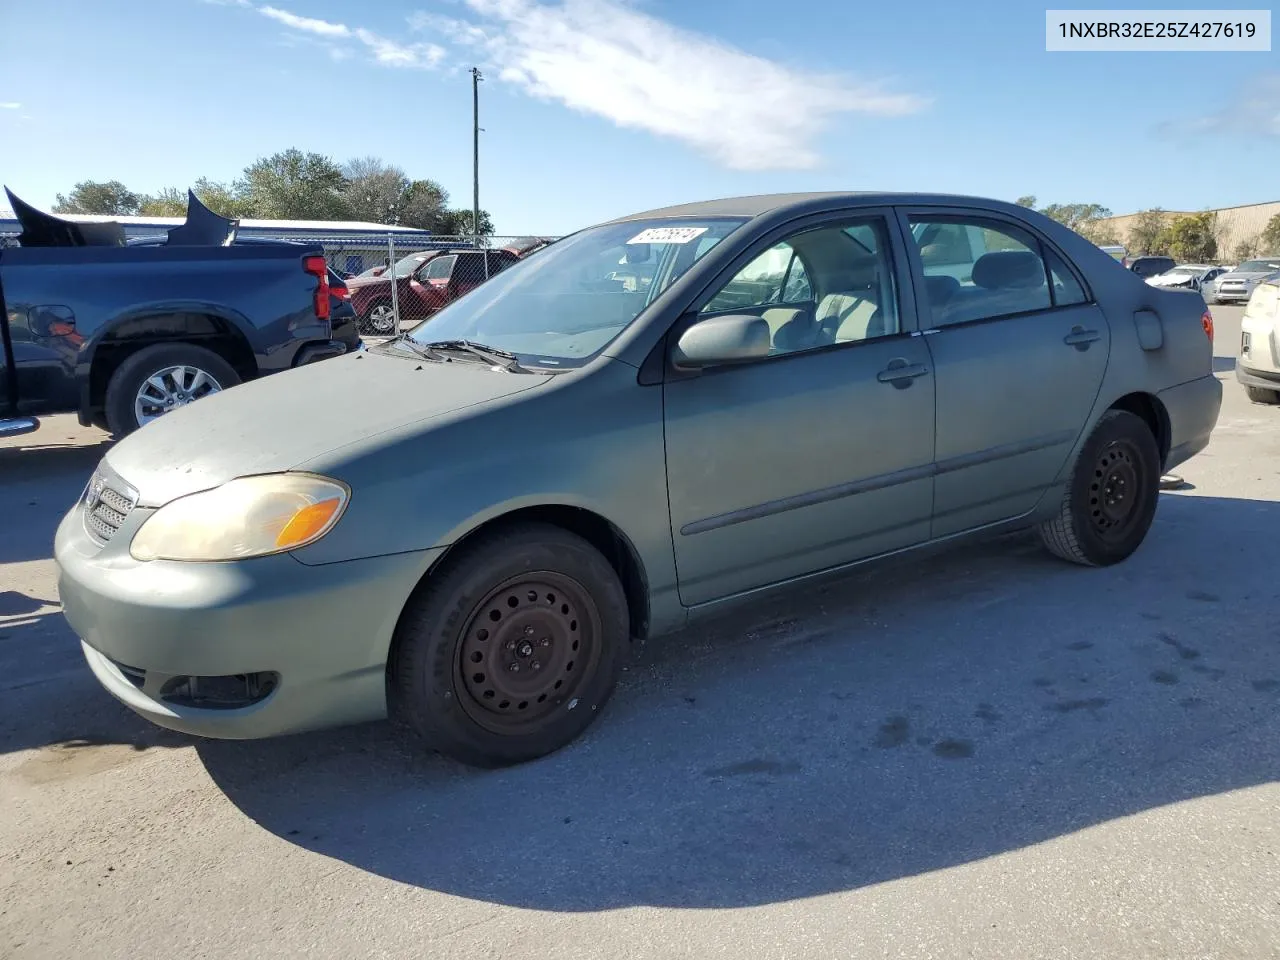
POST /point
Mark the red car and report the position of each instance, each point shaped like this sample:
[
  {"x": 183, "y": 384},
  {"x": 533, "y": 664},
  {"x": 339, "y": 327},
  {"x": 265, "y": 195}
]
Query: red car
[{"x": 425, "y": 282}]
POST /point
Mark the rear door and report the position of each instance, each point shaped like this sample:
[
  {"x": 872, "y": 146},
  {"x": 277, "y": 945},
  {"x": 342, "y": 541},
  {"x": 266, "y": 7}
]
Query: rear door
[
  {"x": 1018, "y": 363},
  {"x": 8, "y": 381}
]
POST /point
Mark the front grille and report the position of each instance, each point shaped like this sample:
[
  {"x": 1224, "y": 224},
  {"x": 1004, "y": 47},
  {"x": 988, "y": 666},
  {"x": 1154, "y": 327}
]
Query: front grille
[{"x": 106, "y": 506}]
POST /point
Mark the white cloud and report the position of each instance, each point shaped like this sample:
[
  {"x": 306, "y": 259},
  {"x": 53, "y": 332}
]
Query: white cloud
[
  {"x": 384, "y": 51},
  {"x": 321, "y": 28},
  {"x": 10, "y": 105},
  {"x": 392, "y": 54},
  {"x": 605, "y": 58},
  {"x": 1254, "y": 109}
]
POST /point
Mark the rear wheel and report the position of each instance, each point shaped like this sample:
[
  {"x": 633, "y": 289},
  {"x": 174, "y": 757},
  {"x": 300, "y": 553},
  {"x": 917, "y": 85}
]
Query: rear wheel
[
  {"x": 1111, "y": 498},
  {"x": 1263, "y": 395},
  {"x": 381, "y": 319},
  {"x": 508, "y": 653},
  {"x": 161, "y": 378}
]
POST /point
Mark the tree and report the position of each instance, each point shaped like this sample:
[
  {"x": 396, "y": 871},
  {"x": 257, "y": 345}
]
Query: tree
[
  {"x": 1245, "y": 249},
  {"x": 1147, "y": 231},
  {"x": 1269, "y": 239},
  {"x": 292, "y": 185},
  {"x": 425, "y": 206},
  {"x": 1028, "y": 201},
  {"x": 218, "y": 197},
  {"x": 111, "y": 198},
  {"x": 1192, "y": 237},
  {"x": 1075, "y": 215},
  {"x": 457, "y": 223},
  {"x": 169, "y": 202},
  {"x": 375, "y": 190}
]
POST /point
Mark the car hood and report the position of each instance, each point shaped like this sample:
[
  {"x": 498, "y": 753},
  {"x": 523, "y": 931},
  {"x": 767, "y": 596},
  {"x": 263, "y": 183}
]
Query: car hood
[
  {"x": 1244, "y": 276},
  {"x": 284, "y": 420},
  {"x": 1165, "y": 280}
]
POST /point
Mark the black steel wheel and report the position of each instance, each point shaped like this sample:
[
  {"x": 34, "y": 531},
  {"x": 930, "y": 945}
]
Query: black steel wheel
[
  {"x": 1110, "y": 500},
  {"x": 526, "y": 649},
  {"x": 509, "y": 651}
]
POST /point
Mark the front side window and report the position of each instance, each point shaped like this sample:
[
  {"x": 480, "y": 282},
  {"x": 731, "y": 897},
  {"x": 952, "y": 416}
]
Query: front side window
[
  {"x": 820, "y": 287},
  {"x": 1003, "y": 272},
  {"x": 765, "y": 280},
  {"x": 439, "y": 268},
  {"x": 560, "y": 308}
]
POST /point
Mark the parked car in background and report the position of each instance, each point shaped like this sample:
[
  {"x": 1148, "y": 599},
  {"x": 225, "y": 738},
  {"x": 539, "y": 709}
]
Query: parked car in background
[
  {"x": 560, "y": 463},
  {"x": 371, "y": 292},
  {"x": 1258, "y": 366},
  {"x": 123, "y": 334},
  {"x": 425, "y": 282},
  {"x": 1151, "y": 266},
  {"x": 1117, "y": 253},
  {"x": 1187, "y": 276},
  {"x": 1236, "y": 286}
]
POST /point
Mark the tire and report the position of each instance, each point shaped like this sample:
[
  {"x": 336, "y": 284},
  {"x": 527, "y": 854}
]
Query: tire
[
  {"x": 123, "y": 390},
  {"x": 1121, "y": 459},
  {"x": 1263, "y": 395},
  {"x": 532, "y": 595},
  {"x": 370, "y": 325}
]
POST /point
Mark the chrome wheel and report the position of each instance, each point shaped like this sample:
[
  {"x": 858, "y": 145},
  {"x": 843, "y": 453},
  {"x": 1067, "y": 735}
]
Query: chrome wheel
[
  {"x": 170, "y": 388},
  {"x": 382, "y": 319}
]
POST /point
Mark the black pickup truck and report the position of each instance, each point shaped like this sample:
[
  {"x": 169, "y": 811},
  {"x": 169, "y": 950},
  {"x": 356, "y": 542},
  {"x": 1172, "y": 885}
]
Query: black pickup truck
[{"x": 120, "y": 333}]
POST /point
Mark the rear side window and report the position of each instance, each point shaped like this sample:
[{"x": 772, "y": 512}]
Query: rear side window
[
  {"x": 440, "y": 268},
  {"x": 1066, "y": 288},
  {"x": 1001, "y": 274}
]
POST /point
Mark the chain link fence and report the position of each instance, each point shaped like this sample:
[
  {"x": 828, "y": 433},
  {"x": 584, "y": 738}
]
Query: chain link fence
[
  {"x": 396, "y": 283},
  {"x": 429, "y": 270}
]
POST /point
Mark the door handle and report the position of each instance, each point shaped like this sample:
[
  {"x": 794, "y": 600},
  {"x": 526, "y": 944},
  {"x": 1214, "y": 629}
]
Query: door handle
[
  {"x": 900, "y": 373},
  {"x": 1080, "y": 338}
]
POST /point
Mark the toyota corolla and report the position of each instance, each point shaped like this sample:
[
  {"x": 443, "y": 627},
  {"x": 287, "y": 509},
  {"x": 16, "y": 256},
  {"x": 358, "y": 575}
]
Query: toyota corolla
[{"x": 649, "y": 421}]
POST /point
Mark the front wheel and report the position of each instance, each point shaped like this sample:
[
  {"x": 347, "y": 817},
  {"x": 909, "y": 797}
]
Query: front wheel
[
  {"x": 1111, "y": 498},
  {"x": 510, "y": 651}
]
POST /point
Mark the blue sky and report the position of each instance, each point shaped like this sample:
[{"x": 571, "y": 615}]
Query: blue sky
[{"x": 594, "y": 108}]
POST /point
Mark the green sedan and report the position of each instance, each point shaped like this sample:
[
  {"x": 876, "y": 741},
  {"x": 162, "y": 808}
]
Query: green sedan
[{"x": 646, "y": 423}]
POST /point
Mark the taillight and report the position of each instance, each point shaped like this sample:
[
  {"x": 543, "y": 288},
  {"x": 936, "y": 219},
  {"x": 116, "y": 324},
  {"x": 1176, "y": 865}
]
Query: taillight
[
  {"x": 341, "y": 292},
  {"x": 318, "y": 268},
  {"x": 1207, "y": 322}
]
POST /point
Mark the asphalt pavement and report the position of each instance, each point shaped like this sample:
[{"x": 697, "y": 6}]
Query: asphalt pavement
[{"x": 987, "y": 753}]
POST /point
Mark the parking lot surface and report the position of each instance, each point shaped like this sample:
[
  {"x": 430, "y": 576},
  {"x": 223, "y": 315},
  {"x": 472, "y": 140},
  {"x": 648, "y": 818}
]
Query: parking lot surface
[{"x": 987, "y": 753}]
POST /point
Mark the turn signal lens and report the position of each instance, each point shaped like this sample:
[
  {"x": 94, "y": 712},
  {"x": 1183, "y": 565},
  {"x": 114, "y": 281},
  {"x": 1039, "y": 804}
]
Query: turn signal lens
[{"x": 307, "y": 523}]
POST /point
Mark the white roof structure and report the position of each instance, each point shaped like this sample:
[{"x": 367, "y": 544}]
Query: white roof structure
[{"x": 279, "y": 226}]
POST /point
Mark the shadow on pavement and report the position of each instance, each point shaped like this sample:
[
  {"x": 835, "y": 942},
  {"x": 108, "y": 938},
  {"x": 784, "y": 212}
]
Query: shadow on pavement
[
  {"x": 898, "y": 721},
  {"x": 40, "y": 483}
]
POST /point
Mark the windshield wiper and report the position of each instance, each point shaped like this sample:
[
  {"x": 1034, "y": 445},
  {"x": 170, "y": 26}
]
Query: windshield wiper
[{"x": 490, "y": 355}]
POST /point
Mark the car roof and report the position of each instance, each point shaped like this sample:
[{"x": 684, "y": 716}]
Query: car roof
[{"x": 758, "y": 205}]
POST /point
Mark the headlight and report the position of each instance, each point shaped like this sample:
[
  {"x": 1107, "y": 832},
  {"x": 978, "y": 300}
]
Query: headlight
[{"x": 248, "y": 517}]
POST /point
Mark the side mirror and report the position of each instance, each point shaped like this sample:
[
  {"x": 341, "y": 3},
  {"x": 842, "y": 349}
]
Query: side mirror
[{"x": 716, "y": 340}]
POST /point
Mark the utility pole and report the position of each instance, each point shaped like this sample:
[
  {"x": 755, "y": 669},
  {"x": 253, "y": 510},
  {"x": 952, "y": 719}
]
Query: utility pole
[{"x": 475, "y": 149}]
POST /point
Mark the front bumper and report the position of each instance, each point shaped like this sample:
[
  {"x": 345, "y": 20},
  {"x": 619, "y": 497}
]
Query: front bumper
[
  {"x": 1234, "y": 294},
  {"x": 1265, "y": 379},
  {"x": 322, "y": 632}
]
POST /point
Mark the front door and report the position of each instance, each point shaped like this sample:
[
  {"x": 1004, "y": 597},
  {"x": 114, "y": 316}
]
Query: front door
[
  {"x": 821, "y": 453},
  {"x": 1019, "y": 353}
]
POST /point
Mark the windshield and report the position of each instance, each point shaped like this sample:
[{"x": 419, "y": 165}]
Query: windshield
[
  {"x": 1258, "y": 266},
  {"x": 565, "y": 305},
  {"x": 409, "y": 264},
  {"x": 1184, "y": 271}
]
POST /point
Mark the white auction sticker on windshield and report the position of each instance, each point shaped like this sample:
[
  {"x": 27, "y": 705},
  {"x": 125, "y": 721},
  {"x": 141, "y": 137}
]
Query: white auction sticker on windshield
[{"x": 668, "y": 235}]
